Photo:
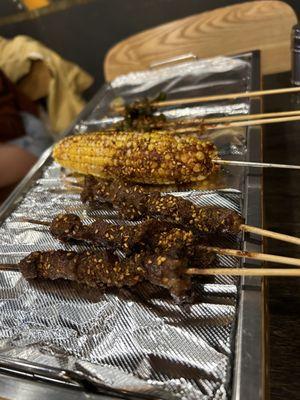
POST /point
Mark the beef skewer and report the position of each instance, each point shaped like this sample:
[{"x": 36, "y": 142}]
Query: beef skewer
[
  {"x": 140, "y": 122},
  {"x": 68, "y": 227},
  {"x": 141, "y": 116},
  {"x": 26, "y": 271},
  {"x": 103, "y": 268},
  {"x": 135, "y": 202},
  {"x": 153, "y": 235},
  {"x": 184, "y": 244},
  {"x": 231, "y": 96}
]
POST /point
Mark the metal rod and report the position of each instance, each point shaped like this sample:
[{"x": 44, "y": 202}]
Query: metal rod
[{"x": 255, "y": 164}]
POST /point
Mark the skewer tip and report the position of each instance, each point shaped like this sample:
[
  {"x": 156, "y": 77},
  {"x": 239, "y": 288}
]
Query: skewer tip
[
  {"x": 9, "y": 267},
  {"x": 36, "y": 221}
]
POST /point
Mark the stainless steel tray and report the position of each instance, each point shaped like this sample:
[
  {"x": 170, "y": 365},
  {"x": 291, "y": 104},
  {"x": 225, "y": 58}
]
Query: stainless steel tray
[{"x": 247, "y": 364}]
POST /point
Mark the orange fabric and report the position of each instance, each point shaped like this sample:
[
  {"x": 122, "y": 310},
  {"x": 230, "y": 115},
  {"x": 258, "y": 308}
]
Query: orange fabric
[{"x": 32, "y": 4}]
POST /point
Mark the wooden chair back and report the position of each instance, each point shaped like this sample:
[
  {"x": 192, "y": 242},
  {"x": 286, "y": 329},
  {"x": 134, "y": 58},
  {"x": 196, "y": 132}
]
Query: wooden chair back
[{"x": 263, "y": 25}]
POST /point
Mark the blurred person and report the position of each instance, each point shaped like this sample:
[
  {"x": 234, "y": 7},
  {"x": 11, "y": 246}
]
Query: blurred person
[
  {"x": 23, "y": 136},
  {"x": 42, "y": 73}
]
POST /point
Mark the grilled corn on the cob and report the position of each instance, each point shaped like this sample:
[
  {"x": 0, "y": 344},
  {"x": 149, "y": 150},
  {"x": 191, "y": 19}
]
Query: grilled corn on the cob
[{"x": 153, "y": 158}]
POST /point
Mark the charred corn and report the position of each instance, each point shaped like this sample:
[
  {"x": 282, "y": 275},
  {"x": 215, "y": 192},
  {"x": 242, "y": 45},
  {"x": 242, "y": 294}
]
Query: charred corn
[{"x": 153, "y": 158}]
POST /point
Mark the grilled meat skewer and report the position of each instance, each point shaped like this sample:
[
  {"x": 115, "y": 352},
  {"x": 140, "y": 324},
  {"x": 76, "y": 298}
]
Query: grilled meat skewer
[
  {"x": 135, "y": 202},
  {"x": 103, "y": 268},
  {"x": 66, "y": 227},
  {"x": 143, "y": 116},
  {"x": 140, "y": 115},
  {"x": 152, "y": 235}
]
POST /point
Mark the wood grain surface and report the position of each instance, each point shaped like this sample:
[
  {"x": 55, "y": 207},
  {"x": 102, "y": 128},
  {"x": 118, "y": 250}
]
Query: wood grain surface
[{"x": 264, "y": 25}]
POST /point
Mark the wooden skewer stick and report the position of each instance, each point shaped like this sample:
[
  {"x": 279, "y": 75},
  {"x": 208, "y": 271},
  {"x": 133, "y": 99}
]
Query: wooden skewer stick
[
  {"x": 213, "y": 271},
  {"x": 245, "y": 271},
  {"x": 243, "y": 227},
  {"x": 73, "y": 189},
  {"x": 36, "y": 222},
  {"x": 213, "y": 120},
  {"x": 245, "y": 117},
  {"x": 254, "y": 256},
  {"x": 71, "y": 184},
  {"x": 236, "y": 253},
  {"x": 9, "y": 267},
  {"x": 262, "y": 121},
  {"x": 208, "y": 124},
  {"x": 270, "y": 234},
  {"x": 255, "y": 164},
  {"x": 231, "y": 96}
]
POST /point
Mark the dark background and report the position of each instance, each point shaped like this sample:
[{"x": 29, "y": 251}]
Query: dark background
[{"x": 83, "y": 33}]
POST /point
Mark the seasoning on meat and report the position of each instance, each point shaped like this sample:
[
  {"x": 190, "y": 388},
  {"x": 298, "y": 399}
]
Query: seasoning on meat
[
  {"x": 134, "y": 202},
  {"x": 98, "y": 268}
]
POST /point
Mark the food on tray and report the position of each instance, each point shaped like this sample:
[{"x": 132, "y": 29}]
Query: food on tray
[
  {"x": 135, "y": 202},
  {"x": 141, "y": 115},
  {"x": 151, "y": 235},
  {"x": 66, "y": 227},
  {"x": 103, "y": 268},
  {"x": 151, "y": 158}
]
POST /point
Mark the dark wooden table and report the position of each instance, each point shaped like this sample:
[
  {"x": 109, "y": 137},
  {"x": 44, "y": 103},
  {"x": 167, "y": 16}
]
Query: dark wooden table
[{"x": 282, "y": 214}]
